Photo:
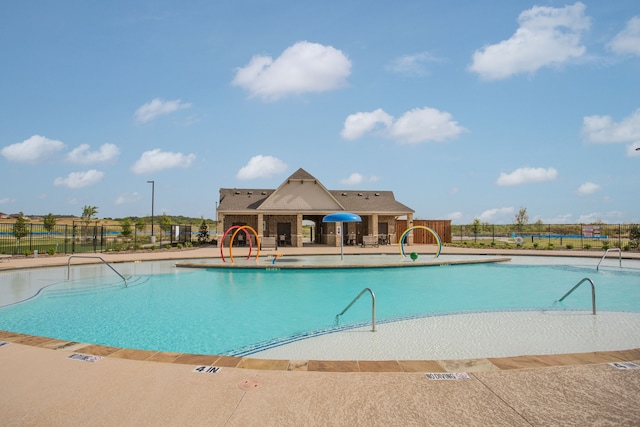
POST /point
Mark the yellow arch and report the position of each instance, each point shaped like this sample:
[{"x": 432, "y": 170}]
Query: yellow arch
[
  {"x": 404, "y": 235},
  {"x": 234, "y": 236}
]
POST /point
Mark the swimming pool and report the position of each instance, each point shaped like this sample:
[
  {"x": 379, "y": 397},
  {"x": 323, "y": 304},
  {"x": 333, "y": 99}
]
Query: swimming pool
[{"x": 239, "y": 312}]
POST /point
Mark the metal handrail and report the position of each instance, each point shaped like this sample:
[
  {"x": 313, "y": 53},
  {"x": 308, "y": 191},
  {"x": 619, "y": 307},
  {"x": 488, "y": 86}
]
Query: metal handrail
[
  {"x": 605, "y": 254},
  {"x": 94, "y": 257},
  {"x": 373, "y": 308},
  {"x": 593, "y": 292}
]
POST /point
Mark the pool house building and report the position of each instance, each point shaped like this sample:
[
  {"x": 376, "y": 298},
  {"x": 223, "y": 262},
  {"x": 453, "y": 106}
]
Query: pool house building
[{"x": 302, "y": 199}]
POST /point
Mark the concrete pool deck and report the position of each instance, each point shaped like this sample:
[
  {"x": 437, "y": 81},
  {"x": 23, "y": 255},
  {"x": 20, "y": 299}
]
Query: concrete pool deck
[{"x": 42, "y": 386}]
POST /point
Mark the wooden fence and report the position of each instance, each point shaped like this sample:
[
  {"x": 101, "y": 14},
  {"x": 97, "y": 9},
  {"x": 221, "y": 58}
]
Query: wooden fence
[{"x": 422, "y": 236}]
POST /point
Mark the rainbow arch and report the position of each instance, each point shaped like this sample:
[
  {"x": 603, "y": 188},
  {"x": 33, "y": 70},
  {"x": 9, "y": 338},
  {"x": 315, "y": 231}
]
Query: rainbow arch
[
  {"x": 408, "y": 230},
  {"x": 239, "y": 228}
]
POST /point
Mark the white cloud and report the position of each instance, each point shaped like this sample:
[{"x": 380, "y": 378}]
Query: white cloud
[
  {"x": 546, "y": 36},
  {"x": 33, "y": 150},
  {"x": 303, "y": 67},
  {"x": 82, "y": 155},
  {"x": 589, "y": 218},
  {"x": 627, "y": 41},
  {"x": 596, "y": 217},
  {"x": 453, "y": 190},
  {"x": 588, "y": 188},
  {"x": 527, "y": 175},
  {"x": 415, "y": 126},
  {"x": 157, "y": 160},
  {"x": 127, "y": 198},
  {"x": 496, "y": 215},
  {"x": 559, "y": 219},
  {"x": 602, "y": 129},
  {"x": 454, "y": 216},
  {"x": 358, "y": 124},
  {"x": 261, "y": 167},
  {"x": 357, "y": 178},
  {"x": 353, "y": 179},
  {"x": 412, "y": 65},
  {"x": 80, "y": 179},
  {"x": 425, "y": 124},
  {"x": 158, "y": 107},
  {"x": 6, "y": 201}
]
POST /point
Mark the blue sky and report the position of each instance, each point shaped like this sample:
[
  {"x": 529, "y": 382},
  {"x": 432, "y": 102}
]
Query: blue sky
[{"x": 464, "y": 109}]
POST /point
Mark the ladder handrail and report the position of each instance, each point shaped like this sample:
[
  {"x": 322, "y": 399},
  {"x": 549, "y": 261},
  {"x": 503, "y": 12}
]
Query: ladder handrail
[
  {"x": 593, "y": 292},
  {"x": 605, "y": 254},
  {"x": 373, "y": 307},
  {"x": 94, "y": 257}
]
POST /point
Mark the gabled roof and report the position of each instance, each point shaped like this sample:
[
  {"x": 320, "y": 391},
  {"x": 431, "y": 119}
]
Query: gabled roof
[{"x": 302, "y": 192}]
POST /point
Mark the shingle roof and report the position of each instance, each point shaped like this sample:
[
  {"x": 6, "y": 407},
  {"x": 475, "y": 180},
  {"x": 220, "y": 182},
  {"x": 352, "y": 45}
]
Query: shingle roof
[{"x": 357, "y": 201}]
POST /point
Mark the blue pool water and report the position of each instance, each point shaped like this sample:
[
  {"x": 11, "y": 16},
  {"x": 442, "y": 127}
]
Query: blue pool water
[{"x": 235, "y": 311}]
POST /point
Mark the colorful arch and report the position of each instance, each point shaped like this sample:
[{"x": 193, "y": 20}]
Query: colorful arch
[
  {"x": 239, "y": 228},
  {"x": 233, "y": 227},
  {"x": 404, "y": 236}
]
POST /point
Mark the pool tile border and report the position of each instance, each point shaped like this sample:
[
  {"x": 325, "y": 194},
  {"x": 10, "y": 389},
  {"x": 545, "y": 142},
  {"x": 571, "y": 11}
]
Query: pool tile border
[{"x": 470, "y": 365}]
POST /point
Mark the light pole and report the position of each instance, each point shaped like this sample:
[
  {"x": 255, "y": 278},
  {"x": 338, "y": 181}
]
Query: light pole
[{"x": 153, "y": 193}]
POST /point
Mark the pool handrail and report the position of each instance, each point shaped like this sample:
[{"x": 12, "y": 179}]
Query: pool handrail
[
  {"x": 593, "y": 292},
  {"x": 605, "y": 254},
  {"x": 373, "y": 308},
  {"x": 94, "y": 257}
]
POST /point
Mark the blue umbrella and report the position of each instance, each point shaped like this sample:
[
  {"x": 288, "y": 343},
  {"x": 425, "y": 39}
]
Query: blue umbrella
[{"x": 342, "y": 217}]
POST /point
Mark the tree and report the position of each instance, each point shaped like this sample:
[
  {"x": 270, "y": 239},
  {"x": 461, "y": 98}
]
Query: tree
[
  {"x": 634, "y": 236},
  {"x": 521, "y": 218},
  {"x": 125, "y": 224},
  {"x": 165, "y": 223},
  {"x": 140, "y": 222},
  {"x": 49, "y": 222},
  {"x": 88, "y": 213},
  {"x": 20, "y": 228},
  {"x": 539, "y": 225},
  {"x": 203, "y": 234},
  {"x": 476, "y": 227}
]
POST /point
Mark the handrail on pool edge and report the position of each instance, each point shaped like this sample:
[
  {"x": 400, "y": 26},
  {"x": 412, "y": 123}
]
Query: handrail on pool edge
[
  {"x": 373, "y": 308},
  {"x": 101, "y": 259},
  {"x": 593, "y": 293}
]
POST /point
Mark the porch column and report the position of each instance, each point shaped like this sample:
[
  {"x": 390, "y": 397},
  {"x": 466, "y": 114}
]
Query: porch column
[
  {"x": 260, "y": 229},
  {"x": 409, "y": 239},
  {"x": 220, "y": 225},
  {"x": 298, "y": 230}
]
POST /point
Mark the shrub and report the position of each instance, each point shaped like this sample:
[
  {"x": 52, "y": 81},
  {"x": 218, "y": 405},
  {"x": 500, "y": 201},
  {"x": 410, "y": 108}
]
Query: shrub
[
  {"x": 551, "y": 246},
  {"x": 587, "y": 246},
  {"x": 569, "y": 246},
  {"x": 605, "y": 245},
  {"x": 535, "y": 245},
  {"x": 179, "y": 246},
  {"x": 634, "y": 237},
  {"x": 51, "y": 251},
  {"x": 167, "y": 246},
  {"x": 188, "y": 244}
]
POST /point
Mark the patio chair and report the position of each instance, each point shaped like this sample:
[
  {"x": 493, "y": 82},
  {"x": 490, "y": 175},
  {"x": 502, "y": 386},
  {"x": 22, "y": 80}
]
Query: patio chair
[{"x": 268, "y": 242}]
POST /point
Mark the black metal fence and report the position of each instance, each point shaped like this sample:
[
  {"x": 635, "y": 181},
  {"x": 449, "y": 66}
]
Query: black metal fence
[
  {"x": 549, "y": 236},
  {"x": 81, "y": 237}
]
